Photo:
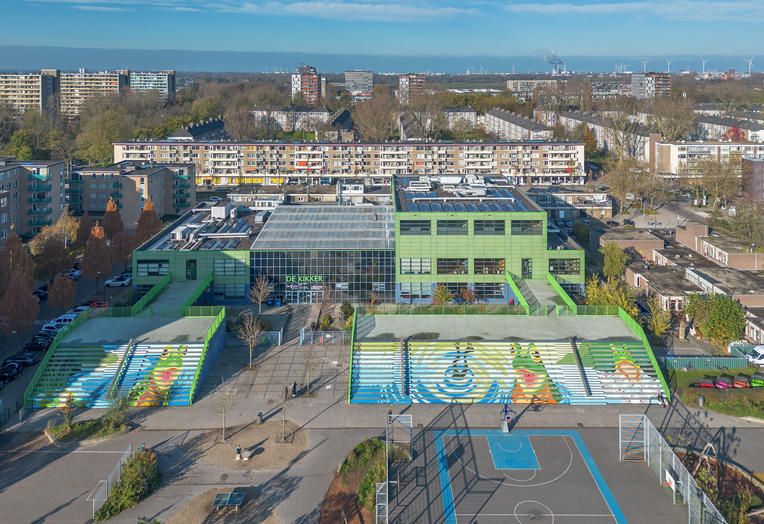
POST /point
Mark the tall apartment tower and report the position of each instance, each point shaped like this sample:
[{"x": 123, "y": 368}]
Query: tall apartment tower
[
  {"x": 78, "y": 88},
  {"x": 650, "y": 85},
  {"x": 162, "y": 82},
  {"x": 36, "y": 91},
  {"x": 359, "y": 82},
  {"x": 307, "y": 83},
  {"x": 410, "y": 86}
]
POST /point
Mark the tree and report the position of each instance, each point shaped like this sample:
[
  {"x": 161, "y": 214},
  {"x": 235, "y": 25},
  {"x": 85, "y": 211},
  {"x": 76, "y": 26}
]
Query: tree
[
  {"x": 468, "y": 295},
  {"x": 441, "y": 295},
  {"x": 61, "y": 292},
  {"x": 260, "y": 292},
  {"x": 112, "y": 220},
  {"x": 67, "y": 410},
  {"x": 748, "y": 222},
  {"x": 240, "y": 124},
  {"x": 21, "y": 146},
  {"x": 375, "y": 118},
  {"x": 346, "y": 309},
  {"x": 658, "y": 321},
  {"x": 725, "y": 320},
  {"x": 100, "y": 129},
  {"x": 611, "y": 293},
  {"x": 148, "y": 223},
  {"x": 695, "y": 308},
  {"x": 250, "y": 332},
  {"x": 734, "y": 134},
  {"x": 721, "y": 180},
  {"x": 19, "y": 307},
  {"x": 51, "y": 258},
  {"x": 614, "y": 261},
  {"x": 84, "y": 226},
  {"x": 15, "y": 260},
  {"x": 97, "y": 256},
  {"x": 673, "y": 117},
  {"x": 623, "y": 177},
  {"x": 122, "y": 247}
]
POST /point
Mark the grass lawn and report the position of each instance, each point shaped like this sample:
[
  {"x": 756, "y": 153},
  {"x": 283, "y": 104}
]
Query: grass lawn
[
  {"x": 84, "y": 430},
  {"x": 746, "y": 402}
]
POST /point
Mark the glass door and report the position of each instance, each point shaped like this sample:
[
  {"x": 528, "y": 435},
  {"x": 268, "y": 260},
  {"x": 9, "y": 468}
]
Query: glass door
[
  {"x": 191, "y": 269},
  {"x": 527, "y": 269}
]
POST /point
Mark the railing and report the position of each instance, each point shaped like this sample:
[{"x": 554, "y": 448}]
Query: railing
[
  {"x": 561, "y": 292},
  {"x": 352, "y": 344},
  {"x": 121, "y": 369},
  {"x": 149, "y": 296},
  {"x": 445, "y": 309},
  {"x": 60, "y": 336},
  {"x": 197, "y": 292},
  {"x": 704, "y": 363},
  {"x": 637, "y": 329},
  {"x": 210, "y": 333},
  {"x": 324, "y": 338},
  {"x": 516, "y": 291}
]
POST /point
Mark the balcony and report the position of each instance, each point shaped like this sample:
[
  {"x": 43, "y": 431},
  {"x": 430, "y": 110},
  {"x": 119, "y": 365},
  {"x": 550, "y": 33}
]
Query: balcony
[
  {"x": 74, "y": 190},
  {"x": 38, "y": 188},
  {"x": 33, "y": 200},
  {"x": 116, "y": 185},
  {"x": 40, "y": 211},
  {"x": 39, "y": 223},
  {"x": 184, "y": 194},
  {"x": 115, "y": 195},
  {"x": 35, "y": 178},
  {"x": 182, "y": 204}
]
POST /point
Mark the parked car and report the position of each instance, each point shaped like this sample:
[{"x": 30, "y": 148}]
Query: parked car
[
  {"x": 119, "y": 281},
  {"x": 741, "y": 382},
  {"x": 41, "y": 292},
  {"x": 628, "y": 222},
  {"x": 756, "y": 356},
  {"x": 9, "y": 371},
  {"x": 757, "y": 381},
  {"x": 704, "y": 383},
  {"x": 23, "y": 359},
  {"x": 98, "y": 304},
  {"x": 587, "y": 221},
  {"x": 73, "y": 274},
  {"x": 59, "y": 322},
  {"x": 37, "y": 344},
  {"x": 612, "y": 223},
  {"x": 568, "y": 222},
  {"x": 215, "y": 199},
  {"x": 722, "y": 383},
  {"x": 78, "y": 309},
  {"x": 49, "y": 333}
]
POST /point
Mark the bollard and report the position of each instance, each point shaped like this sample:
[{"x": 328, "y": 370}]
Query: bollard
[
  {"x": 701, "y": 401},
  {"x": 259, "y": 417}
]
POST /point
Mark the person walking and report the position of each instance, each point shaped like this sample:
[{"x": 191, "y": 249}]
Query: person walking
[{"x": 294, "y": 389}]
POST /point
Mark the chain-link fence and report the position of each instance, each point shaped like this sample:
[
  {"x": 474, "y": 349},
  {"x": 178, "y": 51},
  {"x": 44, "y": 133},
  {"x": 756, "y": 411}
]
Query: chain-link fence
[
  {"x": 324, "y": 338},
  {"x": 640, "y": 441},
  {"x": 101, "y": 492},
  {"x": 268, "y": 337}
]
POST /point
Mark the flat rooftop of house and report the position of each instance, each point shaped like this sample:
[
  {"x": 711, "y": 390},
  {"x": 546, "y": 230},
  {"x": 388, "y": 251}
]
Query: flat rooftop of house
[
  {"x": 629, "y": 234},
  {"x": 683, "y": 256},
  {"x": 727, "y": 242},
  {"x": 560, "y": 242},
  {"x": 457, "y": 193},
  {"x": 518, "y": 120},
  {"x": 223, "y": 227},
  {"x": 327, "y": 227},
  {"x": 668, "y": 280},
  {"x": 733, "y": 281}
]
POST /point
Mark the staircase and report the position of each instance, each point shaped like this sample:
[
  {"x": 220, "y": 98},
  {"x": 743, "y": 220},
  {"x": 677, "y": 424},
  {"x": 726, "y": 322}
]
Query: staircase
[
  {"x": 624, "y": 370},
  {"x": 376, "y": 373}
]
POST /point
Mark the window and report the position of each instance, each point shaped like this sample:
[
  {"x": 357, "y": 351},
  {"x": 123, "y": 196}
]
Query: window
[
  {"x": 415, "y": 227},
  {"x": 415, "y": 266},
  {"x": 229, "y": 267},
  {"x": 489, "y": 290},
  {"x": 489, "y": 266},
  {"x": 564, "y": 266},
  {"x": 452, "y": 227},
  {"x": 452, "y": 266},
  {"x": 416, "y": 290},
  {"x": 489, "y": 227},
  {"x": 455, "y": 288},
  {"x": 527, "y": 227},
  {"x": 150, "y": 268},
  {"x": 231, "y": 290}
]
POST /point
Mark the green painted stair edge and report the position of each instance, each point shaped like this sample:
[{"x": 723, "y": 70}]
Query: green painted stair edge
[
  {"x": 637, "y": 329},
  {"x": 219, "y": 319},
  {"x": 561, "y": 293},
  {"x": 149, "y": 296},
  {"x": 352, "y": 347},
  {"x": 516, "y": 291}
]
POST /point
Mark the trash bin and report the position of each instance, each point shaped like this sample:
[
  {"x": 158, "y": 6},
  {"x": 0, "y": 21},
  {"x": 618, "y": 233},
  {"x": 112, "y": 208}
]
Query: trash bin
[
  {"x": 259, "y": 417},
  {"x": 701, "y": 401}
]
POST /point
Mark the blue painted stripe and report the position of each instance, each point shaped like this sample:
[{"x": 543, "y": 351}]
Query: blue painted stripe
[{"x": 449, "y": 513}]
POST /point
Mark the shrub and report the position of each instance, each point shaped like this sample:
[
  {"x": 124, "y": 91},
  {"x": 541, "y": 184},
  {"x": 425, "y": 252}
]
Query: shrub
[
  {"x": 346, "y": 309},
  {"x": 368, "y": 488},
  {"x": 362, "y": 454},
  {"x": 140, "y": 476},
  {"x": 326, "y": 322}
]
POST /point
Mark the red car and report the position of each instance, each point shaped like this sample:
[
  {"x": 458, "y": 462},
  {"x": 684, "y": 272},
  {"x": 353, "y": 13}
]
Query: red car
[{"x": 704, "y": 383}]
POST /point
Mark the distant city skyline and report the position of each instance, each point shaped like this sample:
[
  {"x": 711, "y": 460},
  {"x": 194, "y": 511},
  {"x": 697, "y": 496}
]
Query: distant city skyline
[{"x": 638, "y": 28}]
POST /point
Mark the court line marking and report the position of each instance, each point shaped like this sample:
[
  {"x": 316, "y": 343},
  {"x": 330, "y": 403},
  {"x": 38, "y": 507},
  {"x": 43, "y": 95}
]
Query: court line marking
[
  {"x": 608, "y": 515},
  {"x": 533, "y": 451},
  {"x": 518, "y": 515},
  {"x": 69, "y": 451}
]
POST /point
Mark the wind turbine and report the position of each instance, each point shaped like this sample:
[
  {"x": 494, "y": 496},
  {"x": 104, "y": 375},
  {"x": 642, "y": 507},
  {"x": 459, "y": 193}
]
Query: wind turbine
[
  {"x": 704, "y": 60},
  {"x": 750, "y": 65},
  {"x": 668, "y": 66},
  {"x": 644, "y": 66}
]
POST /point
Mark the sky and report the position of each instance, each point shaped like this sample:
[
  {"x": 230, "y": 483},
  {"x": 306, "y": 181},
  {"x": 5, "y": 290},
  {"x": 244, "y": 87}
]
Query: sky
[{"x": 395, "y": 27}]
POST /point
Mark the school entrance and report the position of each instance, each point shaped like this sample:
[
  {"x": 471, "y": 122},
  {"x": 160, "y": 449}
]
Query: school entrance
[{"x": 304, "y": 297}]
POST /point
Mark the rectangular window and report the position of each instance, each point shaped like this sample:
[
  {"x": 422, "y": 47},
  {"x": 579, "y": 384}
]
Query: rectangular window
[
  {"x": 415, "y": 289},
  {"x": 150, "y": 268},
  {"x": 452, "y": 227},
  {"x": 230, "y": 290},
  {"x": 489, "y": 266},
  {"x": 564, "y": 266},
  {"x": 489, "y": 290},
  {"x": 489, "y": 227},
  {"x": 452, "y": 266},
  {"x": 527, "y": 227},
  {"x": 415, "y": 266},
  {"x": 229, "y": 267},
  {"x": 415, "y": 227},
  {"x": 455, "y": 288}
]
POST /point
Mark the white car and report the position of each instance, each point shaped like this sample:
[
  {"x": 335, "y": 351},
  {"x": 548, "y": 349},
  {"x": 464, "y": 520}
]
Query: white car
[
  {"x": 74, "y": 274},
  {"x": 215, "y": 199},
  {"x": 121, "y": 280},
  {"x": 756, "y": 356}
]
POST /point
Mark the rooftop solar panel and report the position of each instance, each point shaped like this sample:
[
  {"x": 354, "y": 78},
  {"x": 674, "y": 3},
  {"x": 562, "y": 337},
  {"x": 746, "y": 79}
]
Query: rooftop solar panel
[
  {"x": 460, "y": 207},
  {"x": 472, "y": 207},
  {"x": 448, "y": 207},
  {"x": 483, "y": 206},
  {"x": 436, "y": 207}
]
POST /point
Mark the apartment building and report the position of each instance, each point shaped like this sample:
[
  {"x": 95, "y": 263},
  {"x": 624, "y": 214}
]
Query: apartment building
[
  {"x": 650, "y": 85},
  {"x": 565, "y": 202},
  {"x": 163, "y": 82},
  {"x": 130, "y": 183},
  {"x": 635, "y": 141},
  {"x": 725, "y": 128},
  {"x": 292, "y": 118},
  {"x": 523, "y": 86},
  {"x": 410, "y": 86},
  {"x": 709, "y": 108},
  {"x": 307, "y": 83},
  {"x": 24, "y": 92},
  {"x": 753, "y": 179},
  {"x": 678, "y": 159},
  {"x": 359, "y": 82},
  {"x": 78, "y": 88},
  {"x": 31, "y": 194},
  {"x": 606, "y": 89},
  {"x": 510, "y": 126},
  {"x": 456, "y": 114},
  {"x": 277, "y": 163}
]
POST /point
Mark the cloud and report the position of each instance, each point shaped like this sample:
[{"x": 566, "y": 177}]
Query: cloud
[
  {"x": 687, "y": 10},
  {"x": 101, "y": 8}
]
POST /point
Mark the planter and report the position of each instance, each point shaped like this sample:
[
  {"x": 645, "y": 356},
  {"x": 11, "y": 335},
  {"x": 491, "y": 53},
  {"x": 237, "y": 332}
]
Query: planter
[{"x": 86, "y": 442}]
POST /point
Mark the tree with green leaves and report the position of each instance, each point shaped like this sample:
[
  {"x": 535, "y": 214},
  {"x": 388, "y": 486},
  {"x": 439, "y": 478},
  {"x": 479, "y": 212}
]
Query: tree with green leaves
[
  {"x": 658, "y": 321},
  {"x": 614, "y": 261},
  {"x": 611, "y": 293},
  {"x": 21, "y": 146},
  {"x": 346, "y": 309},
  {"x": 725, "y": 320},
  {"x": 441, "y": 295}
]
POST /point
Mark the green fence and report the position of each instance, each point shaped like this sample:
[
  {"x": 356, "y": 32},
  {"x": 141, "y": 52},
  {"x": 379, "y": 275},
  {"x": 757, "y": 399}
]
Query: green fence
[
  {"x": 197, "y": 292},
  {"x": 219, "y": 319},
  {"x": 637, "y": 329},
  {"x": 704, "y": 363},
  {"x": 561, "y": 292},
  {"x": 437, "y": 309},
  {"x": 60, "y": 336},
  {"x": 352, "y": 347},
  {"x": 516, "y": 291},
  {"x": 148, "y": 297}
]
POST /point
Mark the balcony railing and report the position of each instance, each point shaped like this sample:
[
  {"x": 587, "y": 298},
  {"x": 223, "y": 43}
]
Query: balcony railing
[
  {"x": 33, "y": 200},
  {"x": 38, "y": 188},
  {"x": 32, "y": 177},
  {"x": 40, "y": 211},
  {"x": 39, "y": 223}
]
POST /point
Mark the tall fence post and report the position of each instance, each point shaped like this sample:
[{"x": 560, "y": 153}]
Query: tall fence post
[{"x": 281, "y": 335}]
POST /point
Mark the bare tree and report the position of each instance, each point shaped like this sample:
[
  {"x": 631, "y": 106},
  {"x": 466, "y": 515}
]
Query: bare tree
[
  {"x": 311, "y": 363},
  {"x": 260, "y": 292},
  {"x": 623, "y": 177},
  {"x": 224, "y": 402},
  {"x": 673, "y": 117},
  {"x": 721, "y": 180},
  {"x": 250, "y": 332},
  {"x": 376, "y": 118}
]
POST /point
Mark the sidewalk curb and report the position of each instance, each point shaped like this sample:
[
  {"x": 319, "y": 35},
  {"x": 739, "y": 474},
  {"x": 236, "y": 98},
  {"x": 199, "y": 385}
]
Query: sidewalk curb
[{"x": 87, "y": 442}]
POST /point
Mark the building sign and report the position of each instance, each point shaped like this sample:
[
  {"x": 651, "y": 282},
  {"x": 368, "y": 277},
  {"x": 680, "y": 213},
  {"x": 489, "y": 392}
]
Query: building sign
[{"x": 304, "y": 278}]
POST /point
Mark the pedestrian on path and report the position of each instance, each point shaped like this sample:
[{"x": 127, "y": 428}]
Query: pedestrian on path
[
  {"x": 286, "y": 393},
  {"x": 294, "y": 389}
]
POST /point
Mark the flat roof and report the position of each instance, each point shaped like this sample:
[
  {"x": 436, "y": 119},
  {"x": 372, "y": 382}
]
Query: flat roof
[
  {"x": 667, "y": 280},
  {"x": 726, "y": 242},
  {"x": 630, "y": 234},
  {"x": 327, "y": 227},
  {"x": 733, "y": 281},
  {"x": 336, "y": 143}
]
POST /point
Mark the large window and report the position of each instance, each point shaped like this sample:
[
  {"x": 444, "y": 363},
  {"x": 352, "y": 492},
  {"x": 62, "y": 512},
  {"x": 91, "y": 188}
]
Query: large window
[
  {"x": 452, "y": 266},
  {"x": 415, "y": 266},
  {"x": 416, "y": 290},
  {"x": 415, "y": 227},
  {"x": 452, "y": 227},
  {"x": 489, "y": 227},
  {"x": 527, "y": 227},
  {"x": 230, "y": 290},
  {"x": 489, "y": 290},
  {"x": 564, "y": 266},
  {"x": 489, "y": 266},
  {"x": 455, "y": 288},
  {"x": 229, "y": 267},
  {"x": 150, "y": 268}
]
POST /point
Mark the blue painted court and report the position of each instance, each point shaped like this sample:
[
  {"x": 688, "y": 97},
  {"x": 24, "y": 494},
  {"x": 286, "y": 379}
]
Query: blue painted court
[{"x": 512, "y": 451}]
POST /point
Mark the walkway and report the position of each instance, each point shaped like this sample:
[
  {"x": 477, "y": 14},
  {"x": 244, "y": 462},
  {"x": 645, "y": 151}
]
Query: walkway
[{"x": 543, "y": 293}]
